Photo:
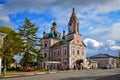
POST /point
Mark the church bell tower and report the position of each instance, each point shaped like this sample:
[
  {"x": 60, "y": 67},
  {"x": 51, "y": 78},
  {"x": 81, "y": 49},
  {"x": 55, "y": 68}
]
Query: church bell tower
[{"x": 73, "y": 25}]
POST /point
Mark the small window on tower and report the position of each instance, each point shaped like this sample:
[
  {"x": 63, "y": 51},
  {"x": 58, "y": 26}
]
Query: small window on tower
[{"x": 78, "y": 27}]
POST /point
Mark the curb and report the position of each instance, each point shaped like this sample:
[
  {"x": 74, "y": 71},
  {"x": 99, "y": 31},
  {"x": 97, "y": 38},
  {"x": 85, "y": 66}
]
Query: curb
[
  {"x": 33, "y": 74},
  {"x": 25, "y": 75},
  {"x": 22, "y": 75}
]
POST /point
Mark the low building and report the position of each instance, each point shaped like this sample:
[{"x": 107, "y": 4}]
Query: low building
[
  {"x": 93, "y": 64},
  {"x": 104, "y": 59}
]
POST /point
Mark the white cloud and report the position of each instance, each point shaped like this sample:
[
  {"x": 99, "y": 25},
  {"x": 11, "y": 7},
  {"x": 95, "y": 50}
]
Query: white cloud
[
  {"x": 106, "y": 33},
  {"x": 90, "y": 28},
  {"x": 105, "y": 45},
  {"x": 92, "y": 44},
  {"x": 60, "y": 7},
  {"x": 5, "y": 19},
  {"x": 110, "y": 42},
  {"x": 95, "y": 47},
  {"x": 114, "y": 47},
  {"x": 110, "y": 5}
]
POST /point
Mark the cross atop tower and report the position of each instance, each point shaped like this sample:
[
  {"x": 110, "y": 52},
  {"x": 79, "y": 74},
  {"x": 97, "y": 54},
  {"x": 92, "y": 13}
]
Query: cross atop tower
[
  {"x": 54, "y": 18},
  {"x": 44, "y": 28}
]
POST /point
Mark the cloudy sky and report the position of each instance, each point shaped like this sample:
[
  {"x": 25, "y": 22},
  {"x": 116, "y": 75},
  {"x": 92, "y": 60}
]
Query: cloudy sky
[{"x": 99, "y": 19}]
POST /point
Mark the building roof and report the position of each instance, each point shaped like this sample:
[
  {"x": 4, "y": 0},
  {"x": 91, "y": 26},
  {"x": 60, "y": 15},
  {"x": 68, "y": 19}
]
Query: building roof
[
  {"x": 62, "y": 42},
  {"x": 84, "y": 44},
  {"x": 101, "y": 56},
  {"x": 92, "y": 60},
  {"x": 52, "y": 35},
  {"x": 73, "y": 17}
]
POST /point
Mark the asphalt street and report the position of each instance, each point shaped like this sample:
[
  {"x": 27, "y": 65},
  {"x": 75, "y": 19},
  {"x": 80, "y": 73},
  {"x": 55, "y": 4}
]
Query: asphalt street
[{"x": 106, "y": 74}]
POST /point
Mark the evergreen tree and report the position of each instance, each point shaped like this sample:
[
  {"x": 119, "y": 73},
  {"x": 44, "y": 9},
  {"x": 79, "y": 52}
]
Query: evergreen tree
[
  {"x": 28, "y": 34},
  {"x": 40, "y": 57},
  {"x": 12, "y": 45}
]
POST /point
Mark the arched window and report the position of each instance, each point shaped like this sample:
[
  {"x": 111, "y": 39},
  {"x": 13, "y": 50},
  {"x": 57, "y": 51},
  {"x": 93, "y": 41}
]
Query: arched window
[
  {"x": 78, "y": 52},
  {"x": 65, "y": 63},
  {"x": 70, "y": 27},
  {"x": 58, "y": 53},
  {"x": 82, "y": 53},
  {"x": 45, "y": 44},
  {"x": 73, "y": 51},
  {"x": 77, "y": 27},
  {"x": 54, "y": 53},
  {"x": 45, "y": 55},
  {"x": 65, "y": 51}
]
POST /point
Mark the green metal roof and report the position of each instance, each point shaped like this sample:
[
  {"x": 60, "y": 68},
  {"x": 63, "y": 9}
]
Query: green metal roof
[
  {"x": 91, "y": 60},
  {"x": 54, "y": 23}
]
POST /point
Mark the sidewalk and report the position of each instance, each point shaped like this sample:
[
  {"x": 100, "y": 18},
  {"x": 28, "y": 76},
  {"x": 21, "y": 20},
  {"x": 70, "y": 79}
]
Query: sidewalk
[{"x": 22, "y": 74}]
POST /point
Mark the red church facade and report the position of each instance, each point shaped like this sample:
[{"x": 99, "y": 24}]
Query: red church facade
[{"x": 68, "y": 49}]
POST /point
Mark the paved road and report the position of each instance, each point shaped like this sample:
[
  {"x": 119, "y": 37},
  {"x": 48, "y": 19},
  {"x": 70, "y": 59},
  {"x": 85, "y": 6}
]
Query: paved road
[{"x": 76, "y": 75}]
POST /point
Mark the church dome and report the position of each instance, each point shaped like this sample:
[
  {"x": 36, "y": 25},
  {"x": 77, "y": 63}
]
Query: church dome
[{"x": 54, "y": 23}]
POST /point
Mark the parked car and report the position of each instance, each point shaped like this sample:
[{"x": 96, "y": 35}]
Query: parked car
[{"x": 107, "y": 66}]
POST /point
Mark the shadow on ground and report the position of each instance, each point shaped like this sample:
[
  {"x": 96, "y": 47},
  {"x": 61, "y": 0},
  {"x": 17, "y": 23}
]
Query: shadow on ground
[
  {"x": 82, "y": 78},
  {"x": 113, "y": 77}
]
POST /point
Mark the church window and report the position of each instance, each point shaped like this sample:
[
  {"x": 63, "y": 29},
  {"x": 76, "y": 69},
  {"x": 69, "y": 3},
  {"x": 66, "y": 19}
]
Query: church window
[
  {"x": 65, "y": 63},
  {"x": 82, "y": 53},
  {"x": 70, "y": 27},
  {"x": 45, "y": 55},
  {"x": 73, "y": 51},
  {"x": 65, "y": 51},
  {"x": 54, "y": 53},
  {"x": 78, "y": 27},
  {"x": 58, "y": 53},
  {"x": 45, "y": 44},
  {"x": 78, "y": 41},
  {"x": 78, "y": 52}
]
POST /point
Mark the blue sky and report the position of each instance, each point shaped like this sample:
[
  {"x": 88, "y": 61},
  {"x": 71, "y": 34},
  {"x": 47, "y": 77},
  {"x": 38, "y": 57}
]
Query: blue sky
[{"x": 99, "y": 19}]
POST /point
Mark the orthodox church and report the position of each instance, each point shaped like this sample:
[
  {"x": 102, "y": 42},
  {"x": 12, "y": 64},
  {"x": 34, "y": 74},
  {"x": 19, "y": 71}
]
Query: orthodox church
[{"x": 68, "y": 49}]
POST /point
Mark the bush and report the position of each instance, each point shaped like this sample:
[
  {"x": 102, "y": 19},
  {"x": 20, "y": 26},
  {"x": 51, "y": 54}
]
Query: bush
[
  {"x": 27, "y": 69},
  {"x": 41, "y": 69}
]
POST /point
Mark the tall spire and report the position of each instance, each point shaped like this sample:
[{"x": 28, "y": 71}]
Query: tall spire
[
  {"x": 54, "y": 22},
  {"x": 44, "y": 33},
  {"x": 73, "y": 17},
  {"x": 73, "y": 25},
  {"x": 63, "y": 35},
  {"x": 73, "y": 13}
]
